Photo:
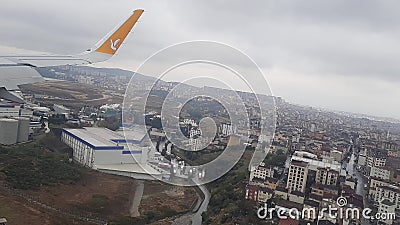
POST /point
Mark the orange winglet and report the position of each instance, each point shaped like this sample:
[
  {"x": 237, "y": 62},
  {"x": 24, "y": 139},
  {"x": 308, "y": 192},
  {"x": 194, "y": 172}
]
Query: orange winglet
[{"x": 111, "y": 45}]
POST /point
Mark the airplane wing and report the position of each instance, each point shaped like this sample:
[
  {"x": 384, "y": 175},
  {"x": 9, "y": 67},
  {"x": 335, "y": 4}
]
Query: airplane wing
[
  {"x": 17, "y": 70},
  {"x": 12, "y": 75}
]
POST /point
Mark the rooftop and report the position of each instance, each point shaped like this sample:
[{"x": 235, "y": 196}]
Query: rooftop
[
  {"x": 299, "y": 163},
  {"x": 102, "y": 138},
  {"x": 129, "y": 167},
  {"x": 96, "y": 137},
  {"x": 387, "y": 202},
  {"x": 311, "y": 203},
  {"x": 314, "y": 164},
  {"x": 288, "y": 204}
]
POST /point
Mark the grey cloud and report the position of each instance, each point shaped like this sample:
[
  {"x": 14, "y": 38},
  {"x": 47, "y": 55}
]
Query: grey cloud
[{"x": 343, "y": 40}]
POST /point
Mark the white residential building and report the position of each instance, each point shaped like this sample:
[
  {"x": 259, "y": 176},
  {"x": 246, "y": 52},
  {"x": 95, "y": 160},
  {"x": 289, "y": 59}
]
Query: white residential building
[
  {"x": 327, "y": 176},
  {"x": 9, "y": 110},
  {"x": 261, "y": 172},
  {"x": 297, "y": 176},
  {"x": 376, "y": 158},
  {"x": 391, "y": 193},
  {"x": 362, "y": 160},
  {"x": 383, "y": 173},
  {"x": 388, "y": 209}
]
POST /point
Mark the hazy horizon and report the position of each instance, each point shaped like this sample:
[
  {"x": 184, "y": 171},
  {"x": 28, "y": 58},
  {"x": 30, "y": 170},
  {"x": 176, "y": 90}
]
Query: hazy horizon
[{"x": 337, "y": 55}]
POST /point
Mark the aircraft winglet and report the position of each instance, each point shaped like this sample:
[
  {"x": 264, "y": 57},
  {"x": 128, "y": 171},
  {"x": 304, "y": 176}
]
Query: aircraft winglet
[
  {"x": 110, "y": 44},
  {"x": 114, "y": 41},
  {"x": 103, "y": 50}
]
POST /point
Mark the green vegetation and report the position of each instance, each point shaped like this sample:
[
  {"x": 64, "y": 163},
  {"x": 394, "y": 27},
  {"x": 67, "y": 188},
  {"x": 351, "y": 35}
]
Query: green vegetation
[
  {"x": 53, "y": 143},
  {"x": 57, "y": 119},
  {"x": 227, "y": 203},
  {"x": 30, "y": 166},
  {"x": 201, "y": 107},
  {"x": 199, "y": 157},
  {"x": 276, "y": 158},
  {"x": 111, "y": 123},
  {"x": 98, "y": 203}
]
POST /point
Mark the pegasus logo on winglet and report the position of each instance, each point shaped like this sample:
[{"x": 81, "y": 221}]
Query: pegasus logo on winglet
[{"x": 113, "y": 45}]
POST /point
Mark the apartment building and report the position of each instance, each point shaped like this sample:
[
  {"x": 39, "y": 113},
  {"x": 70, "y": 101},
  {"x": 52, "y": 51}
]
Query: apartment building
[
  {"x": 261, "y": 172},
  {"x": 386, "y": 207},
  {"x": 327, "y": 176},
  {"x": 297, "y": 176},
  {"x": 391, "y": 193},
  {"x": 383, "y": 173},
  {"x": 377, "y": 158}
]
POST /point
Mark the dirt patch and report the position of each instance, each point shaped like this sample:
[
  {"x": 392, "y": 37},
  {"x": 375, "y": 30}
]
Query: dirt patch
[
  {"x": 98, "y": 194},
  {"x": 63, "y": 89},
  {"x": 94, "y": 195},
  {"x": 18, "y": 212},
  {"x": 167, "y": 199},
  {"x": 70, "y": 94}
]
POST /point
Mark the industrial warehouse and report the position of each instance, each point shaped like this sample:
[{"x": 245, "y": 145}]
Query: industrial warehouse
[
  {"x": 14, "y": 130},
  {"x": 15, "y": 120},
  {"x": 110, "y": 152}
]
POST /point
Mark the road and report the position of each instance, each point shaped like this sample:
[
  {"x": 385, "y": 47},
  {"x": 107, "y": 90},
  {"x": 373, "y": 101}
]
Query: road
[
  {"x": 361, "y": 180},
  {"x": 134, "y": 210},
  {"x": 47, "y": 129},
  {"x": 196, "y": 218}
]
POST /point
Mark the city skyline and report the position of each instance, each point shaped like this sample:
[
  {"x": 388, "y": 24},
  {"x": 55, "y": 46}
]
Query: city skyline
[
  {"x": 336, "y": 55},
  {"x": 222, "y": 112}
]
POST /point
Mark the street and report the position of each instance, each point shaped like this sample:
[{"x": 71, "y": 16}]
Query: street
[{"x": 361, "y": 181}]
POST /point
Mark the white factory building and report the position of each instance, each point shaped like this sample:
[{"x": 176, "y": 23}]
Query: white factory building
[
  {"x": 9, "y": 110},
  {"x": 14, "y": 130},
  {"x": 123, "y": 153}
]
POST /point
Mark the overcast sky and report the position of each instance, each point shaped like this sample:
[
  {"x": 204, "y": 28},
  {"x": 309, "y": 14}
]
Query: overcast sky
[{"x": 341, "y": 55}]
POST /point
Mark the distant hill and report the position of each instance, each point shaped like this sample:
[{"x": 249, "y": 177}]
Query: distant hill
[
  {"x": 119, "y": 72},
  {"x": 50, "y": 72}
]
